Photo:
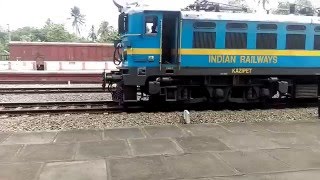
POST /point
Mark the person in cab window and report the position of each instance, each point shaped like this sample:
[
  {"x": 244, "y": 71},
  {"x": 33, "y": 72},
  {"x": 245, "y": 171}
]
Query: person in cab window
[{"x": 154, "y": 29}]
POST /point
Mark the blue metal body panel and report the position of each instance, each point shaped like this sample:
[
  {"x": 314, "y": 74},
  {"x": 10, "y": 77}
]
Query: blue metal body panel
[
  {"x": 282, "y": 62},
  {"x": 136, "y": 38}
]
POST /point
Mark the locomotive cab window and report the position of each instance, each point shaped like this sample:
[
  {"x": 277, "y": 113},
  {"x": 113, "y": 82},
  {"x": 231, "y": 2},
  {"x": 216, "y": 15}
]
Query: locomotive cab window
[
  {"x": 317, "y": 38},
  {"x": 296, "y": 41},
  {"x": 317, "y": 42},
  {"x": 236, "y": 40},
  {"x": 267, "y": 27},
  {"x": 237, "y": 26},
  {"x": 151, "y": 25},
  {"x": 296, "y": 28},
  {"x": 266, "y": 41},
  {"x": 204, "y": 25},
  {"x": 204, "y": 40}
]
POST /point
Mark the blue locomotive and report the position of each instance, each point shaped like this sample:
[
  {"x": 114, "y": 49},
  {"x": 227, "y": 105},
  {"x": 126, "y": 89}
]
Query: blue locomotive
[{"x": 213, "y": 56}]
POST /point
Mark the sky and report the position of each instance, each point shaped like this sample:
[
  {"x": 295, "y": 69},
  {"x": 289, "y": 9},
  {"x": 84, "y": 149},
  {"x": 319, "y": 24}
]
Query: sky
[{"x": 19, "y": 13}]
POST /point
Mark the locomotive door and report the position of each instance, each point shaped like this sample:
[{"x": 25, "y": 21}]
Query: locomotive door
[{"x": 170, "y": 39}]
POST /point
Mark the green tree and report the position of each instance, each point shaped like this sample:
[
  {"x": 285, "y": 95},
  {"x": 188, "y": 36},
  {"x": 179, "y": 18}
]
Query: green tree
[
  {"x": 48, "y": 22},
  {"x": 92, "y": 34},
  {"x": 4, "y": 48},
  {"x": 238, "y": 3},
  {"x": 104, "y": 31},
  {"x": 78, "y": 19},
  {"x": 4, "y": 40},
  {"x": 107, "y": 33},
  {"x": 283, "y": 7},
  {"x": 25, "y": 34},
  {"x": 58, "y": 33},
  {"x": 113, "y": 35},
  {"x": 50, "y": 32},
  {"x": 3, "y": 36},
  {"x": 304, "y": 3}
]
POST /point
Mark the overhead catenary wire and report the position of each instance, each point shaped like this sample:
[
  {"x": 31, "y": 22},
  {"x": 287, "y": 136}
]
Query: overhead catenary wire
[{"x": 206, "y": 5}]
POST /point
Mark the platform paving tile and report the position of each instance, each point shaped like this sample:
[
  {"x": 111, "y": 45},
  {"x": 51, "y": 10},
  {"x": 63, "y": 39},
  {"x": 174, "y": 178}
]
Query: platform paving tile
[
  {"x": 161, "y": 146},
  {"x": 292, "y": 139},
  {"x": 78, "y": 136},
  {"x": 8, "y": 152},
  {"x": 31, "y": 138},
  {"x": 102, "y": 149},
  {"x": 19, "y": 171},
  {"x": 3, "y": 136},
  {"x": 196, "y": 179},
  {"x": 206, "y": 130},
  {"x": 296, "y": 175},
  {"x": 123, "y": 133},
  {"x": 197, "y": 165},
  {"x": 294, "y": 127},
  {"x": 244, "y": 128},
  {"x": 253, "y": 162},
  {"x": 138, "y": 168},
  {"x": 164, "y": 131},
  {"x": 249, "y": 142},
  {"x": 75, "y": 170},
  {"x": 297, "y": 158},
  {"x": 47, "y": 152},
  {"x": 201, "y": 144}
]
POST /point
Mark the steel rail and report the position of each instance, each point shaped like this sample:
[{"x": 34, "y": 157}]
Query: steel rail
[
  {"x": 110, "y": 106},
  {"x": 54, "y": 107},
  {"x": 48, "y": 90}
]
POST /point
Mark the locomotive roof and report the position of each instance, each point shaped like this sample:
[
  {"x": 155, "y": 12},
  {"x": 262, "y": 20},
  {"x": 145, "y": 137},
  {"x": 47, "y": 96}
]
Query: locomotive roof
[{"x": 256, "y": 17}]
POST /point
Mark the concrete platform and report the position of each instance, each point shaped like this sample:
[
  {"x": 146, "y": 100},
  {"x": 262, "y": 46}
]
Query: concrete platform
[{"x": 256, "y": 151}]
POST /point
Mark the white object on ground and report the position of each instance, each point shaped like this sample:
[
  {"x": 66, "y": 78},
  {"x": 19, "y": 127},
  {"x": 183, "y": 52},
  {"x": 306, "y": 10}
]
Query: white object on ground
[{"x": 186, "y": 116}]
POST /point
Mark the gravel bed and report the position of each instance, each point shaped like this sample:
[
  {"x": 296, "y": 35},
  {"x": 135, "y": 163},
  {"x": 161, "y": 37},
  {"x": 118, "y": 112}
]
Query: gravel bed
[
  {"x": 103, "y": 121},
  {"x": 55, "y": 97},
  {"x": 52, "y": 97}
]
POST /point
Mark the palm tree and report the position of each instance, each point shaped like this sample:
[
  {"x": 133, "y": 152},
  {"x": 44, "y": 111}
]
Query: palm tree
[
  {"x": 48, "y": 22},
  {"x": 104, "y": 31},
  {"x": 92, "y": 34},
  {"x": 107, "y": 33},
  {"x": 78, "y": 19}
]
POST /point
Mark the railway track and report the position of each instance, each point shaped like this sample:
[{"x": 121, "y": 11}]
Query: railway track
[
  {"x": 110, "y": 106},
  {"x": 56, "y": 107},
  {"x": 50, "y": 90}
]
